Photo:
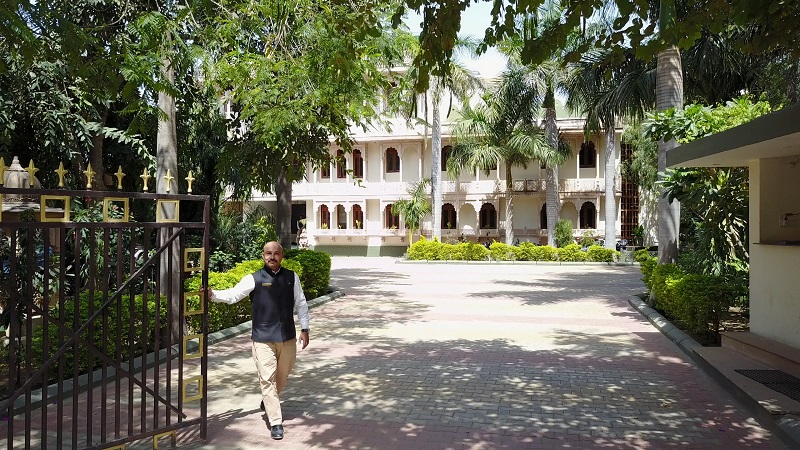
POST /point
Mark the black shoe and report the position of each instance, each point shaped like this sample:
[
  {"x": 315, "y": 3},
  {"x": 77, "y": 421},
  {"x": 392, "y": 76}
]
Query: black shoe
[
  {"x": 277, "y": 432},
  {"x": 262, "y": 405}
]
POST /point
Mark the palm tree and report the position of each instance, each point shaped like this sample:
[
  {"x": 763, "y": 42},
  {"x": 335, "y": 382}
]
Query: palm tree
[
  {"x": 502, "y": 129},
  {"x": 415, "y": 209},
  {"x": 604, "y": 94},
  {"x": 458, "y": 84},
  {"x": 669, "y": 94},
  {"x": 549, "y": 77}
]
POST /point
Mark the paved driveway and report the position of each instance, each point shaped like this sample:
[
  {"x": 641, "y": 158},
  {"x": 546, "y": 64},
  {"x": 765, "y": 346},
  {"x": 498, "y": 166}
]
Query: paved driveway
[{"x": 479, "y": 356}]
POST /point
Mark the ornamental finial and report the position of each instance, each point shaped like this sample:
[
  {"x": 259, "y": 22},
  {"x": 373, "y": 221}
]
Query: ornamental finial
[
  {"x": 119, "y": 176},
  {"x": 3, "y": 168},
  {"x": 190, "y": 179},
  {"x": 168, "y": 178},
  {"x": 89, "y": 175},
  {"x": 145, "y": 176},
  {"x": 31, "y": 169},
  {"x": 61, "y": 171}
]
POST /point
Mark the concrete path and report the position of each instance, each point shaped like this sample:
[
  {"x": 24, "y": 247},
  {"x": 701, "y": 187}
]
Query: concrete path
[{"x": 479, "y": 356}]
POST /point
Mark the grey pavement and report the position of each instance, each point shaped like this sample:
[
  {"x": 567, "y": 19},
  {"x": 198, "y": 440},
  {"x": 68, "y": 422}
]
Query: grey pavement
[{"x": 479, "y": 356}]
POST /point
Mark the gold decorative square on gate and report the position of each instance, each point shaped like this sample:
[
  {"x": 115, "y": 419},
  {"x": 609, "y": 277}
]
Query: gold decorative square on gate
[
  {"x": 199, "y": 353},
  {"x": 186, "y": 383},
  {"x": 126, "y": 215},
  {"x": 173, "y": 437},
  {"x": 43, "y": 208},
  {"x": 186, "y": 252},
  {"x": 191, "y": 312},
  {"x": 160, "y": 217},
  {"x": 116, "y": 447}
]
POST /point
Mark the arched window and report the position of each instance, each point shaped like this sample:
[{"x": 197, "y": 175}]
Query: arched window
[
  {"x": 358, "y": 164},
  {"x": 588, "y": 216},
  {"x": 391, "y": 220},
  {"x": 488, "y": 216},
  {"x": 325, "y": 171},
  {"x": 587, "y": 158},
  {"x": 449, "y": 217},
  {"x": 324, "y": 217},
  {"x": 341, "y": 217},
  {"x": 446, "y": 151},
  {"x": 358, "y": 217},
  {"x": 341, "y": 165},
  {"x": 392, "y": 160},
  {"x": 543, "y": 217}
]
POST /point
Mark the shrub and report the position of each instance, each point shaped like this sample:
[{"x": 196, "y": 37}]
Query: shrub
[
  {"x": 315, "y": 271},
  {"x": 473, "y": 251},
  {"x": 543, "y": 253},
  {"x": 641, "y": 255},
  {"x": 424, "y": 249},
  {"x": 563, "y": 233},
  {"x": 647, "y": 267},
  {"x": 601, "y": 254},
  {"x": 571, "y": 252},
  {"x": 659, "y": 287},
  {"x": 141, "y": 316},
  {"x": 588, "y": 239},
  {"x": 503, "y": 252},
  {"x": 698, "y": 301}
]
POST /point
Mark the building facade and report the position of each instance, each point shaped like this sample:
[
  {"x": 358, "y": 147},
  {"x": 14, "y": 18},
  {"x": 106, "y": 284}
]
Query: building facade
[{"x": 347, "y": 207}]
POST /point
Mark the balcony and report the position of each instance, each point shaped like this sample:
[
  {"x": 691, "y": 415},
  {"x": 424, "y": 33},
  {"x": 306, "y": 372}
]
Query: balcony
[{"x": 340, "y": 190}]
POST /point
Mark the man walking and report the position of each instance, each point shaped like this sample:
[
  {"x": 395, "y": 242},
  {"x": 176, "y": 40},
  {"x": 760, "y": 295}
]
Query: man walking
[{"x": 276, "y": 294}]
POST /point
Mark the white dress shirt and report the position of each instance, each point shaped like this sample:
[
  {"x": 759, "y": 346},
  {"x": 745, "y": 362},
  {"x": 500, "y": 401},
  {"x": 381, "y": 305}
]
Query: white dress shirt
[{"x": 244, "y": 287}]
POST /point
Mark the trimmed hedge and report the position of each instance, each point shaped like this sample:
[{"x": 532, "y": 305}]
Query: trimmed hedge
[
  {"x": 117, "y": 320},
  {"x": 697, "y": 301},
  {"x": 315, "y": 272},
  {"x": 434, "y": 250},
  {"x": 571, "y": 253}
]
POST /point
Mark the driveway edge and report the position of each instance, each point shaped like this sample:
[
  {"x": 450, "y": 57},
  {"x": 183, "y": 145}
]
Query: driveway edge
[{"x": 785, "y": 426}]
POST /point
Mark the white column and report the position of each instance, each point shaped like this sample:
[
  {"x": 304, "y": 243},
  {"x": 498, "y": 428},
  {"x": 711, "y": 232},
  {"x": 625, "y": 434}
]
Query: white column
[{"x": 383, "y": 164}]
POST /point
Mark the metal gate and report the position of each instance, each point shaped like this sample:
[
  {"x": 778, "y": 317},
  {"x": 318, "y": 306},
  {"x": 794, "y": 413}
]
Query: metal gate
[{"x": 104, "y": 345}]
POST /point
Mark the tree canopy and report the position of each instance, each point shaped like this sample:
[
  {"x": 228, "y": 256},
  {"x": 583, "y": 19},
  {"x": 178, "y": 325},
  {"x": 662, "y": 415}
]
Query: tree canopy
[{"x": 766, "y": 25}]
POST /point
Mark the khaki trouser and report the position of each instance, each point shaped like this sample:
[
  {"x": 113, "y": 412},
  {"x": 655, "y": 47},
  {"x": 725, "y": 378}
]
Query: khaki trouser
[{"x": 274, "y": 361}]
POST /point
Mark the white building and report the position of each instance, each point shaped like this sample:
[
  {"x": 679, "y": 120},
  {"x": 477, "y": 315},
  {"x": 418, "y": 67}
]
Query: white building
[{"x": 348, "y": 209}]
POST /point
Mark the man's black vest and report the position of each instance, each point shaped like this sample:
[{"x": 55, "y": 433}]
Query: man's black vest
[{"x": 273, "y": 306}]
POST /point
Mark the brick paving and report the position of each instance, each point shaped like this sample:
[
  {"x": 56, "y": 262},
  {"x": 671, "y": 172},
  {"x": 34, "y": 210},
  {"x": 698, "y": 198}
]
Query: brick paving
[{"x": 479, "y": 356}]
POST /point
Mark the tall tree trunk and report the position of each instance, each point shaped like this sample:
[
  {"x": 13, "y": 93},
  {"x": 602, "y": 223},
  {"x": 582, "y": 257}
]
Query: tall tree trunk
[
  {"x": 669, "y": 94},
  {"x": 509, "y": 205},
  {"x": 552, "y": 202},
  {"x": 611, "y": 198},
  {"x": 167, "y": 160},
  {"x": 283, "y": 219},
  {"x": 436, "y": 166},
  {"x": 553, "y": 205},
  {"x": 96, "y": 153}
]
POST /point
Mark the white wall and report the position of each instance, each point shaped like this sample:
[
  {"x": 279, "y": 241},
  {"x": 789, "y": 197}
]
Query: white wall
[
  {"x": 779, "y": 193},
  {"x": 774, "y": 294}
]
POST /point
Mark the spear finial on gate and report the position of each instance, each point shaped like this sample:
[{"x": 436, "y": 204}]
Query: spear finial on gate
[
  {"x": 61, "y": 171},
  {"x": 190, "y": 180},
  {"x": 31, "y": 169},
  {"x": 3, "y": 168},
  {"x": 168, "y": 178},
  {"x": 119, "y": 176},
  {"x": 145, "y": 176},
  {"x": 89, "y": 175}
]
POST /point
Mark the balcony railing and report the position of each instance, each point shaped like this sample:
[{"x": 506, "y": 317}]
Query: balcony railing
[{"x": 398, "y": 189}]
